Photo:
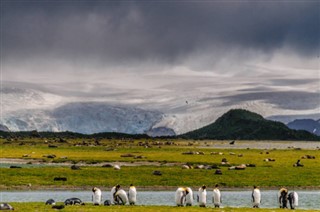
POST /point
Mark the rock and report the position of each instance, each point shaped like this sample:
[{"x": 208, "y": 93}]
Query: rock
[
  {"x": 224, "y": 160},
  {"x": 218, "y": 171},
  {"x": 232, "y": 142},
  {"x": 75, "y": 167},
  {"x": 189, "y": 153},
  {"x": 107, "y": 165},
  {"x": 52, "y": 146},
  {"x": 15, "y": 167},
  {"x": 49, "y": 156},
  {"x": 251, "y": 165},
  {"x": 127, "y": 155},
  {"x": 110, "y": 149},
  {"x": 116, "y": 167},
  {"x": 157, "y": 173},
  {"x": 61, "y": 140},
  {"x": 59, "y": 207},
  {"x": 215, "y": 166},
  {"x": 107, "y": 203},
  {"x": 60, "y": 179}
]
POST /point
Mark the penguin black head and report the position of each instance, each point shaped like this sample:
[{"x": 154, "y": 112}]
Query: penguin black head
[
  {"x": 204, "y": 187},
  {"x": 187, "y": 191}
]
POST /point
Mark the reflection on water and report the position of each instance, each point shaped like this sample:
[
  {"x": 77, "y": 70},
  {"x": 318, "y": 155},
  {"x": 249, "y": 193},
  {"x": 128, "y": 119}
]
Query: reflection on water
[{"x": 307, "y": 199}]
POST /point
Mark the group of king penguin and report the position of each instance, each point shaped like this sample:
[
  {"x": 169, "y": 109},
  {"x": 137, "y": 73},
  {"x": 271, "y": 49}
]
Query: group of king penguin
[
  {"x": 184, "y": 196},
  {"x": 118, "y": 196},
  {"x": 284, "y": 196}
]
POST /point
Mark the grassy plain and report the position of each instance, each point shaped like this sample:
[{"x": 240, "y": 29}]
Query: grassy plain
[
  {"x": 35, "y": 206},
  {"x": 158, "y": 156}
]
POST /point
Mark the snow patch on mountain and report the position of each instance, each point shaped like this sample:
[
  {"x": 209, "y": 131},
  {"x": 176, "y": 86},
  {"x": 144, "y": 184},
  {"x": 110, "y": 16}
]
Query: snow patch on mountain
[{"x": 89, "y": 117}]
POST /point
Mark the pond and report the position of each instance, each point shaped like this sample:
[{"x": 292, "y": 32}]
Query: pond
[{"x": 307, "y": 199}]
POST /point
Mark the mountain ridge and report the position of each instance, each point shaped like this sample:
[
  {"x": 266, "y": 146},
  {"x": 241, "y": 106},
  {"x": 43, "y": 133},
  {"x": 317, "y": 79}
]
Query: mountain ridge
[
  {"x": 241, "y": 124},
  {"x": 236, "y": 124},
  {"x": 310, "y": 125}
]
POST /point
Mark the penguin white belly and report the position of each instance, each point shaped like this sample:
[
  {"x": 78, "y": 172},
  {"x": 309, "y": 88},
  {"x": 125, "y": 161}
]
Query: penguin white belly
[
  {"x": 257, "y": 197},
  {"x": 132, "y": 195},
  {"x": 121, "y": 197},
  {"x": 113, "y": 192},
  {"x": 189, "y": 197},
  {"x": 295, "y": 199},
  {"x": 179, "y": 197},
  {"x": 202, "y": 198},
  {"x": 97, "y": 197},
  {"x": 216, "y": 197}
]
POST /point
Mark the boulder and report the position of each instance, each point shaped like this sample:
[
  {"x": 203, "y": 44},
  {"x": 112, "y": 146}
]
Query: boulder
[{"x": 157, "y": 173}]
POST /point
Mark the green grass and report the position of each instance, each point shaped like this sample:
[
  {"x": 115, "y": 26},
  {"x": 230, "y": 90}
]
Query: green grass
[
  {"x": 90, "y": 208},
  {"x": 265, "y": 174},
  {"x": 171, "y": 176}
]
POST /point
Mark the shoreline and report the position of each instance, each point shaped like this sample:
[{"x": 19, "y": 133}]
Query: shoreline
[{"x": 147, "y": 188}]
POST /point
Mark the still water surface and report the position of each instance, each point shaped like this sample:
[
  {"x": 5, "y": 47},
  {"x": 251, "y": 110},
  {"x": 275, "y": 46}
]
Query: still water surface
[{"x": 307, "y": 199}]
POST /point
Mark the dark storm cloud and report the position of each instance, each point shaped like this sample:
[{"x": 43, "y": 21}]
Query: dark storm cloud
[
  {"x": 286, "y": 82},
  {"x": 128, "y": 31},
  {"x": 292, "y": 100}
]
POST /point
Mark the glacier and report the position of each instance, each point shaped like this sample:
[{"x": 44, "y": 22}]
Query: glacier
[{"x": 155, "y": 112}]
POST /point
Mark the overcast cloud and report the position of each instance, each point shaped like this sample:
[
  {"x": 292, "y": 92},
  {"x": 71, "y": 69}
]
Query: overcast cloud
[{"x": 162, "y": 47}]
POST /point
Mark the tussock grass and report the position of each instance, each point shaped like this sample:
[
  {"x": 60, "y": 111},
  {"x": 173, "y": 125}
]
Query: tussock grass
[
  {"x": 266, "y": 174},
  {"x": 90, "y": 208}
]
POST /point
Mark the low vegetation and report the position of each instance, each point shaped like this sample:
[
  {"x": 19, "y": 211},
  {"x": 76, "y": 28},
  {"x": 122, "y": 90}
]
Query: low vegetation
[
  {"x": 91, "y": 208},
  {"x": 140, "y": 158}
]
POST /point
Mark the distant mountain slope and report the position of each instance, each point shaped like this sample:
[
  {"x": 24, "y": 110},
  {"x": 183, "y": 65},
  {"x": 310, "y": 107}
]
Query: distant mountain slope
[
  {"x": 84, "y": 117},
  {"x": 4, "y": 128},
  {"x": 309, "y": 125},
  {"x": 245, "y": 125},
  {"x": 161, "y": 131}
]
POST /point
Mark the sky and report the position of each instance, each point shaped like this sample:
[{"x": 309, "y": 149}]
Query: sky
[{"x": 162, "y": 54}]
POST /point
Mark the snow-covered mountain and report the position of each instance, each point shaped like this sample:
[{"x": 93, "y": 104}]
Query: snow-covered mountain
[
  {"x": 309, "y": 125},
  {"x": 89, "y": 117},
  {"x": 156, "y": 112},
  {"x": 4, "y": 128}
]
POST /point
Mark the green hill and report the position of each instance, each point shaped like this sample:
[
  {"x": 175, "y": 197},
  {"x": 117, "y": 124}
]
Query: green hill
[{"x": 245, "y": 125}]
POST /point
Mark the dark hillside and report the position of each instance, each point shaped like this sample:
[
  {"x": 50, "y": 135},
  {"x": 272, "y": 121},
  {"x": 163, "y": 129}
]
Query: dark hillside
[{"x": 245, "y": 125}]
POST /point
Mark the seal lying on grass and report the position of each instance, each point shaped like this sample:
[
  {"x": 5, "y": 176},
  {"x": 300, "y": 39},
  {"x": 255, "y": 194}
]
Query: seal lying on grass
[
  {"x": 73, "y": 201},
  {"x": 6, "y": 206},
  {"x": 50, "y": 202}
]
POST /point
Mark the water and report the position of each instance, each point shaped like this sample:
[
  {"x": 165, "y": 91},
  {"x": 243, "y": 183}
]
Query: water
[{"x": 307, "y": 199}]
